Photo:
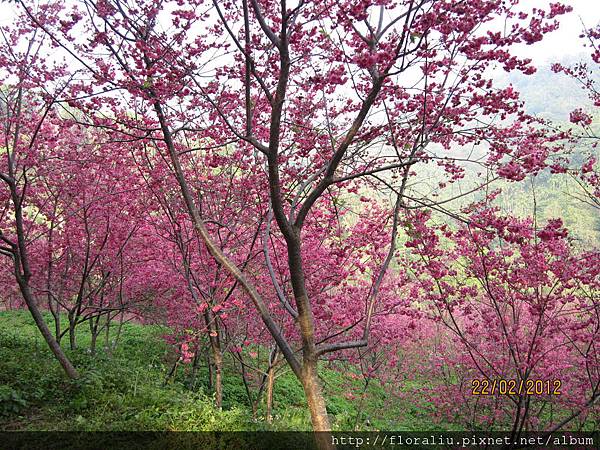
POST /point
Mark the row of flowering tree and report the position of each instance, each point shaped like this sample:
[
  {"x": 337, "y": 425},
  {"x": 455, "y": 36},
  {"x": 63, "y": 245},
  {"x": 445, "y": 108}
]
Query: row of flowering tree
[
  {"x": 248, "y": 168},
  {"x": 517, "y": 305}
]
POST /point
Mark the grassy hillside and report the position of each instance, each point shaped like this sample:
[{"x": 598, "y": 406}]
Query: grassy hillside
[{"x": 126, "y": 391}]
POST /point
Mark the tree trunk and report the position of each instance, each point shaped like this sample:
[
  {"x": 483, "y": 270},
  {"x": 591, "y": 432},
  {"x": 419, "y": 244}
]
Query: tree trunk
[
  {"x": 119, "y": 328},
  {"x": 53, "y": 305},
  {"x": 93, "y": 343},
  {"x": 20, "y": 258},
  {"x": 72, "y": 337},
  {"x": 216, "y": 354},
  {"x": 107, "y": 347},
  {"x": 309, "y": 375},
  {"x": 94, "y": 331},
  {"x": 270, "y": 387},
  {"x": 195, "y": 365},
  {"x": 56, "y": 315},
  {"x": 218, "y": 360},
  {"x": 209, "y": 364},
  {"x": 316, "y": 405},
  {"x": 43, "y": 327},
  {"x": 305, "y": 372},
  {"x": 171, "y": 373},
  {"x": 252, "y": 403}
]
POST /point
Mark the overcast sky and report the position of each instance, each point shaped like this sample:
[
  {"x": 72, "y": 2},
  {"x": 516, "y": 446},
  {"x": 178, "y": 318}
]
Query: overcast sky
[
  {"x": 565, "y": 41},
  {"x": 554, "y": 47}
]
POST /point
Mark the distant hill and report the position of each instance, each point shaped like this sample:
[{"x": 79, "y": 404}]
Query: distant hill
[{"x": 549, "y": 94}]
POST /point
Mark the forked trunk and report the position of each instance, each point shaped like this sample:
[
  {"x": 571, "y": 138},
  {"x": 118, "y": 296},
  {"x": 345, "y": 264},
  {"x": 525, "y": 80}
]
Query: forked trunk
[
  {"x": 43, "y": 327},
  {"x": 21, "y": 260},
  {"x": 306, "y": 373}
]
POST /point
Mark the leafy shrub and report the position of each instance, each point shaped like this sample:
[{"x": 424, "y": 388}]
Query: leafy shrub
[{"x": 11, "y": 401}]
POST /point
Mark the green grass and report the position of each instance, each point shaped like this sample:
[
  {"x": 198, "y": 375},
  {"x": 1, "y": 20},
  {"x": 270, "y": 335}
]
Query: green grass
[{"x": 126, "y": 391}]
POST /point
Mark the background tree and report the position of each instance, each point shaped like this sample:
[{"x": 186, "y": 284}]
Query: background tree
[
  {"x": 519, "y": 304},
  {"x": 29, "y": 129}
]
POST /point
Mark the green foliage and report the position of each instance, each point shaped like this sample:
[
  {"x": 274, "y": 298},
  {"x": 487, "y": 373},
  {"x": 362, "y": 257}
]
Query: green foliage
[
  {"x": 126, "y": 390},
  {"x": 114, "y": 393},
  {"x": 11, "y": 401}
]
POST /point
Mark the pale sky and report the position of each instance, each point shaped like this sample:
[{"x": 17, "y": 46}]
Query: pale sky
[
  {"x": 553, "y": 47},
  {"x": 565, "y": 41}
]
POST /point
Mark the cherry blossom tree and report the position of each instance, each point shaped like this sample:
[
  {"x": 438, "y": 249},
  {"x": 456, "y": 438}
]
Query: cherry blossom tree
[
  {"x": 586, "y": 134},
  {"x": 518, "y": 303},
  {"x": 30, "y": 128},
  {"x": 329, "y": 106}
]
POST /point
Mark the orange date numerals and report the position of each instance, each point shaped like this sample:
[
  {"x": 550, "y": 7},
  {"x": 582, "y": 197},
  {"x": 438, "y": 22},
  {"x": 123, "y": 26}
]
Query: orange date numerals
[{"x": 501, "y": 386}]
